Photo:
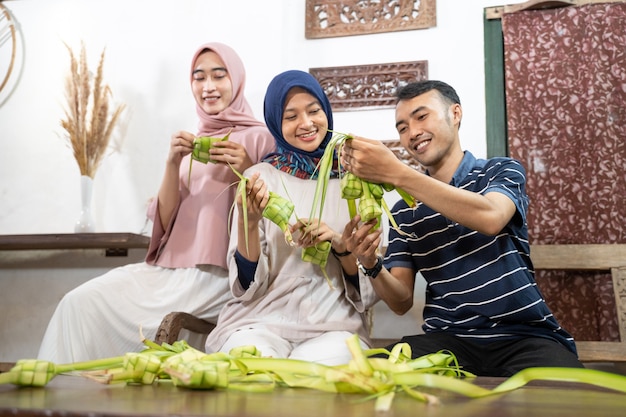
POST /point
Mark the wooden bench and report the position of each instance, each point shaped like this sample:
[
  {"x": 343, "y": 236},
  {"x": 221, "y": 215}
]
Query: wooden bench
[
  {"x": 609, "y": 257},
  {"x": 601, "y": 257}
]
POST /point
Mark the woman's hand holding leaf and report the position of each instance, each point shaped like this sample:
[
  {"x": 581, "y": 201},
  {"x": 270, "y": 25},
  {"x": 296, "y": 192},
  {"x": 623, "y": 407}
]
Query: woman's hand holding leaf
[
  {"x": 311, "y": 232},
  {"x": 256, "y": 200},
  {"x": 252, "y": 198},
  {"x": 232, "y": 153},
  {"x": 181, "y": 144},
  {"x": 363, "y": 239}
]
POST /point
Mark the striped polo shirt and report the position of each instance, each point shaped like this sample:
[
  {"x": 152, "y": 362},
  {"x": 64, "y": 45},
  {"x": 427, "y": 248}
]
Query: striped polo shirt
[{"x": 479, "y": 287}]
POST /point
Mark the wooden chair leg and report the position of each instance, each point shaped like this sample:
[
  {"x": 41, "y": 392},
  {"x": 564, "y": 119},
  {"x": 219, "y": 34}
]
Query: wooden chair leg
[{"x": 173, "y": 323}]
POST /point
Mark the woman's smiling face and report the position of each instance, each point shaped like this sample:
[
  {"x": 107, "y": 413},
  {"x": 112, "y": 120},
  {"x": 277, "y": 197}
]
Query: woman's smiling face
[
  {"x": 304, "y": 123},
  {"x": 211, "y": 83}
]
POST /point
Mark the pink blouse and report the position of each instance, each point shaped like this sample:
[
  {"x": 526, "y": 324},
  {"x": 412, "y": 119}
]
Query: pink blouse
[{"x": 198, "y": 233}]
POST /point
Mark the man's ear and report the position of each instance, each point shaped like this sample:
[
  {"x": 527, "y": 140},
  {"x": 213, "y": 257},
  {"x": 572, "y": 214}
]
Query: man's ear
[{"x": 457, "y": 113}]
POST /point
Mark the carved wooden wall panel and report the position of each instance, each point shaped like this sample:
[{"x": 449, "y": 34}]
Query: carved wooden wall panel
[
  {"x": 367, "y": 86},
  {"x": 332, "y": 18},
  {"x": 402, "y": 154}
]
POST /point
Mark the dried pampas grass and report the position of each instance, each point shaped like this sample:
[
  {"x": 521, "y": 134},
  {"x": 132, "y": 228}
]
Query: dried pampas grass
[{"x": 89, "y": 120}]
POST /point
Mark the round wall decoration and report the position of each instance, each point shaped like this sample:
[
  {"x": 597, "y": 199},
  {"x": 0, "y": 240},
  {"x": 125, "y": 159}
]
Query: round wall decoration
[{"x": 10, "y": 60}]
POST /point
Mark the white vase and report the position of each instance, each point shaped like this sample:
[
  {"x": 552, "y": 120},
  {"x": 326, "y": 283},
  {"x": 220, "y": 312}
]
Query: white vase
[{"x": 85, "y": 223}]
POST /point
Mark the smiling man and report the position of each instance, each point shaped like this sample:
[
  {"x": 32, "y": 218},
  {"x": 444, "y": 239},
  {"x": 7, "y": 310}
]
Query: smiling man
[{"x": 467, "y": 237}]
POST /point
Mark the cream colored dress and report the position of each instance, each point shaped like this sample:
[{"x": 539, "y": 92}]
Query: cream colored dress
[{"x": 289, "y": 297}]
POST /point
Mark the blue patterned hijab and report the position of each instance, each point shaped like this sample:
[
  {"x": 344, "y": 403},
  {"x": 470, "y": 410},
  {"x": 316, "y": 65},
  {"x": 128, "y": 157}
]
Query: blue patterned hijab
[{"x": 288, "y": 158}]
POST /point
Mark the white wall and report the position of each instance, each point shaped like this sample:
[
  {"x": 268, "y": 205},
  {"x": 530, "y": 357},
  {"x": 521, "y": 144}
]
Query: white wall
[{"x": 149, "y": 44}]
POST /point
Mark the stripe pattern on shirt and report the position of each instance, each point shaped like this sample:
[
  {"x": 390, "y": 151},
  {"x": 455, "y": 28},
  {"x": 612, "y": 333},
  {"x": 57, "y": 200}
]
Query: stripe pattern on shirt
[{"x": 478, "y": 286}]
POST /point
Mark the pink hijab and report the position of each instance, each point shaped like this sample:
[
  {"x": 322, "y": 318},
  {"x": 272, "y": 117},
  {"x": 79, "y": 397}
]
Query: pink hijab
[{"x": 238, "y": 115}]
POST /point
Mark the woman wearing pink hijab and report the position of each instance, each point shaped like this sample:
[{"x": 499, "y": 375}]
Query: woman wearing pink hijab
[{"x": 185, "y": 268}]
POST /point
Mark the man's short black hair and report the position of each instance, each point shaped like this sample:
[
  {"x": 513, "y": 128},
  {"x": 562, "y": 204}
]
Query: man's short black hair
[{"x": 417, "y": 88}]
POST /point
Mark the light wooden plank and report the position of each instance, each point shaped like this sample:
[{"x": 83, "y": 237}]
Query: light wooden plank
[
  {"x": 581, "y": 256},
  {"x": 601, "y": 351}
]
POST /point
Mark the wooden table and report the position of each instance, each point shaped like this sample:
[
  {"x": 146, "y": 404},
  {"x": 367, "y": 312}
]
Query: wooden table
[{"x": 75, "y": 396}]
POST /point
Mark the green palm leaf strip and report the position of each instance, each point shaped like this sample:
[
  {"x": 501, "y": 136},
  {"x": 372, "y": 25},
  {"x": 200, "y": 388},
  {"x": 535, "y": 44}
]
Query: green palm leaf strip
[
  {"x": 241, "y": 192},
  {"x": 278, "y": 209},
  {"x": 37, "y": 373},
  {"x": 324, "y": 169},
  {"x": 371, "y": 203},
  {"x": 318, "y": 255},
  {"x": 201, "y": 147}
]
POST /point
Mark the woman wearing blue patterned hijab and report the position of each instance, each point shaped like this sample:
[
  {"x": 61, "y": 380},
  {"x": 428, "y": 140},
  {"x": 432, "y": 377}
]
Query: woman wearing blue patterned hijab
[
  {"x": 287, "y": 157},
  {"x": 284, "y": 304}
]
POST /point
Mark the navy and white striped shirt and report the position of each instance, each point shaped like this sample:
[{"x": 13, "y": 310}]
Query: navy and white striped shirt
[{"x": 478, "y": 287}]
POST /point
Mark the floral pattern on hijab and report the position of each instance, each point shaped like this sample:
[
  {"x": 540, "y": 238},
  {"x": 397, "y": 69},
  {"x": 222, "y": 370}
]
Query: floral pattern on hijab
[
  {"x": 238, "y": 115},
  {"x": 288, "y": 158}
]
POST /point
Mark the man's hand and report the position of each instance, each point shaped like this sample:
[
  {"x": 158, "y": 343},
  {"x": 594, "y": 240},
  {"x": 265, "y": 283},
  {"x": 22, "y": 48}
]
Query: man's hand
[{"x": 365, "y": 157}]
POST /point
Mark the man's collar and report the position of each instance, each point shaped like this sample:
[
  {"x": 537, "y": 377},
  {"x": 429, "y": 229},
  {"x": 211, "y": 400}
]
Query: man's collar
[{"x": 467, "y": 164}]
